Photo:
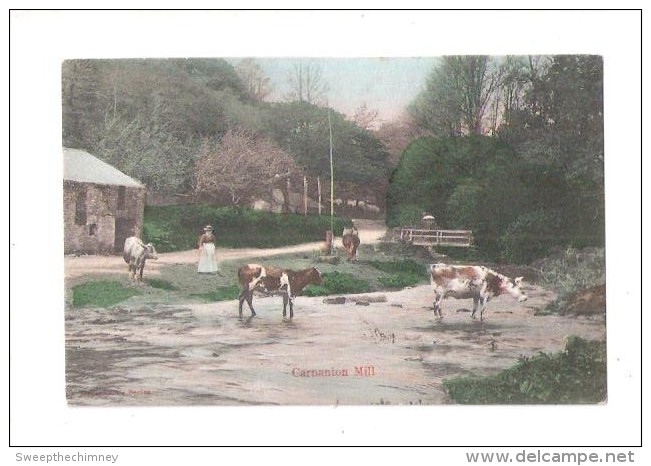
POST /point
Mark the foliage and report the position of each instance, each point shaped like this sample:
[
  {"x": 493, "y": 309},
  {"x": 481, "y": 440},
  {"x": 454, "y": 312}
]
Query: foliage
[
  {"x": 221, "y": 293},
  {"x": 302, "y": 129},
  {"x": 146, "y": 116},
  {"x": 176, "y": 228},
  {"x": 575, "y": 375},
  {"x": 257, "y": 84},
  {"x": 337, "y": 283},
  {"x": 456, "y": 96},
  {"x": 101, "y": 293},
  {"x": 562, "y": 120},
  {"x": 407, "y": 215},
  {"x": 517, "y": 209},
  {"x": 571, "y": 270},
  {"x": 402, "y": 273},
  {"x": 150, "y": 117},
  {"x": 561, "y": 123},
  {"x": 396, "y": 136},
  {"x": 538, "y": 185},
  {"x": 146, "y": 152},
  {"x": 470, "y": 182},
  {"x": 530, "y": 236}
]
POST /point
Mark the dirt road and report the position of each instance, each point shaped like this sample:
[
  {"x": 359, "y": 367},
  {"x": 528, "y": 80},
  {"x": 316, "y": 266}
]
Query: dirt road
[{"x": 370, "y": 231}]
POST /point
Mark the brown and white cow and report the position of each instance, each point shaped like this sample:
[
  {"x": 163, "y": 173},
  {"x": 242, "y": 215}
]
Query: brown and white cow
[
  {"x": 350, "y": 239},
  {"x": 471, "y": 281},
  {"x": 274, "y": 280},
  {"x": 136, "y": 254}
]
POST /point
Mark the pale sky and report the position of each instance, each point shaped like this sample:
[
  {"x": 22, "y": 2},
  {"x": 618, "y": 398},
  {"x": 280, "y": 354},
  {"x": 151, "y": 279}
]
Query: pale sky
[{"x": 385, "y": 84}]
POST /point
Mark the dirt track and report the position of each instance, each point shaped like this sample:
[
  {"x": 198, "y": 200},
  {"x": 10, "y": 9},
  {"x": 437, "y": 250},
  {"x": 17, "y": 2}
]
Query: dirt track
[
  {"x": 392, "y": 351},
  {"x": 369, "y": 232}
]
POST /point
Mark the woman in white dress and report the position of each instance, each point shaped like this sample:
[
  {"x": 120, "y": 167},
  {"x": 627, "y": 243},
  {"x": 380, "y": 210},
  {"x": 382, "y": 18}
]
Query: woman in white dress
[{"x": 207, "y": 259}]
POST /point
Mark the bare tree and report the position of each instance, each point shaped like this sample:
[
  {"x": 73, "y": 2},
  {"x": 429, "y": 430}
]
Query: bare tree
[
  {"x": 396, "y": 136},
  {"x": 365, "y": 117},
  {"x": 241, "y": 166},
  {"x": 307, "y": 84},
  {"x": 257, "y": 84}
]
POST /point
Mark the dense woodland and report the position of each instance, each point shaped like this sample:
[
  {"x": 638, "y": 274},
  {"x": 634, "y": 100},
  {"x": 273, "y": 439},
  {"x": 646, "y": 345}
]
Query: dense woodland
[
  {"x": 510, "y": 147},
  {"x": 162, "y": 121}
]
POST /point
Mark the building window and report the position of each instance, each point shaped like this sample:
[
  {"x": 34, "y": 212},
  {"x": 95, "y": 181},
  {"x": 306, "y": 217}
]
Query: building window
[
  {"x": 92, "y": 229},
  {"x": 80, "y": 207},
  {"x": 122, "y": 193}
]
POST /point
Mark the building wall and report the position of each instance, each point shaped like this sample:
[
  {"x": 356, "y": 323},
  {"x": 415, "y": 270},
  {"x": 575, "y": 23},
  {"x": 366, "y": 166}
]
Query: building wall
[{"x": 91, "y": 213}]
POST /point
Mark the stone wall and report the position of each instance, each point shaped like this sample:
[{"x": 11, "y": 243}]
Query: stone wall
[{"x": 92, "y": 212}]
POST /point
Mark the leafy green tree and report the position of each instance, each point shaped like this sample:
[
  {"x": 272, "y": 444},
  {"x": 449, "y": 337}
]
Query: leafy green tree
[
  {"x": 561, "y": 124},
  {"x": 456, "y": 96},
  {"x": 147, "y": 152},
  {"x": 302, "y": 129},
  {"x": 562, "y": 120},
  {"x": 147, "y": 116}
]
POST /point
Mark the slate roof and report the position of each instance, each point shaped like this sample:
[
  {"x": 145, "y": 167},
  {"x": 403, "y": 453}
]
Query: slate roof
[{"x": 79, "y": 165}]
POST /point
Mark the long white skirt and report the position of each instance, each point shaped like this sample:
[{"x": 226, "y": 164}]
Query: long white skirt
[{"x": 207, "y": 259}]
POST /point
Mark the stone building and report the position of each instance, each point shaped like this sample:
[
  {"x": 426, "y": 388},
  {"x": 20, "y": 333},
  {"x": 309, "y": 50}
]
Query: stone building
[{"x": 101, "y": 205}]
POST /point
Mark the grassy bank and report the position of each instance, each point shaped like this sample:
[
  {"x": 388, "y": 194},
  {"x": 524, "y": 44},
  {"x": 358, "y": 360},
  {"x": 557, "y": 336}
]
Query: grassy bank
[
  {"x": 575, "y": 375},
  {"x": 177, "y": 228},
  {"x": 569, "y": 271},
  {"x": 101, "y": 293},
  {"x": 378, "y": 269}
]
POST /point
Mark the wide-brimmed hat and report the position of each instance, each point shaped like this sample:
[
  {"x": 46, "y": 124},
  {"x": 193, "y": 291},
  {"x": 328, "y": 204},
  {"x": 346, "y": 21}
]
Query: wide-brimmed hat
[{"x": 207, "y": 228}]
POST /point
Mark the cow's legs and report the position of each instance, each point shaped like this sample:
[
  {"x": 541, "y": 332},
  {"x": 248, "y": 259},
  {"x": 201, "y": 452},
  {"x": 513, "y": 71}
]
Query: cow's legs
[
  {"x": 246, "y": 295},
  {"x": 242, "y": 298},
  {"x": 249, "y": 301},
  {"x": 291, "y": 307},
  {"x": 475, "y": 305},
  {"x": 437, "y": 305},
  {"x": 483, "y": 302},
  {"x": 142, "y": 268}
]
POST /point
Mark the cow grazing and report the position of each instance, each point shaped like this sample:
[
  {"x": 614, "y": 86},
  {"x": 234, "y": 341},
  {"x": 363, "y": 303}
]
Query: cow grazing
[
  {"x": 350, "y": 239},
  {"x": 136, "y": 254},
  {"x": 275, "y": 281},
  {"x": 471, "y": 281}
]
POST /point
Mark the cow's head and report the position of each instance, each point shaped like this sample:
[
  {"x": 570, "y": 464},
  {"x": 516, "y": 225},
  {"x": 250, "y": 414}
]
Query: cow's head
[
  {"x": 151, "y": 251},
  {"x": 514, "y": 288}
]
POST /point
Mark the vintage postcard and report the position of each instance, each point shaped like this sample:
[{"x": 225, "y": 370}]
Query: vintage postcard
[
  {"x": 324, "y": 228},
  {"x": 334, "y": 231}
]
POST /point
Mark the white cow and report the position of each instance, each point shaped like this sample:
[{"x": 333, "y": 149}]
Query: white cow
[
  {"x": 471, "y": 281},
  {"x": 136, "y": 254}
]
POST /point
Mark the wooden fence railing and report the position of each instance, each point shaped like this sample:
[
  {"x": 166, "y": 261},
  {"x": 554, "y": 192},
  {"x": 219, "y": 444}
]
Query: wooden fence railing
[{"x": 420, "y": 237}]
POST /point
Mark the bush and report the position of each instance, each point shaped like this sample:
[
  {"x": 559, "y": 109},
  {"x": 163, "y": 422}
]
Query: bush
[
  {"x": 337, "y": 283},
  {"x": 406, "y": 215},
  {"x": 575, "y": 375},
  {"x": 176, "y": 228},
  {"x": 531, "y": 236},
  {"x": 399, "y": 281},
  {"x": 401, "y": 273},
  {"x": 102, "y": 293},
  {"x": 571, "y": 270}
]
